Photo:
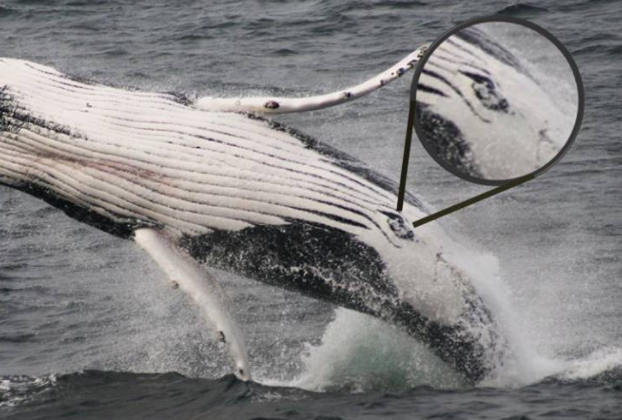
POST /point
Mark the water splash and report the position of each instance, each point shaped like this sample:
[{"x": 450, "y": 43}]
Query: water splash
[{"x": 360, "y": 353}]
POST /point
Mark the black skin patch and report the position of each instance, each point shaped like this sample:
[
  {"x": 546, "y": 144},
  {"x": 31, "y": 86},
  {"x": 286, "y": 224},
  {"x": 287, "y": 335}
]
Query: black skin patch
[
  {"x": 453, "y": 344},
  {"x": 333, "y": 266},
  {"x": 444, "y": 140},
  {"x": 10, "y": 112},
  {"x": 316, "y": 260}
]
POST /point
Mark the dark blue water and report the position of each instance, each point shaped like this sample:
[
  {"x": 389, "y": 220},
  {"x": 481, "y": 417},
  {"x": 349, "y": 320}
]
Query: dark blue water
[{"x": 89, "y": 327}]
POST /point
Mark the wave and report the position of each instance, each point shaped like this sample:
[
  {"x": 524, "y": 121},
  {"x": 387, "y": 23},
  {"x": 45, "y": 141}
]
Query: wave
[
  {"x": 521, "y": 10},
  {"x": 602, "y": 367},
  {"x": 360, "y": 354},
  {"x": 617, "y": 50},
  {"x": 102, "y": 394},
  {"x": 21, "y": 390},
  {"x": 90, "y": 393},
  {"x": 7, "y": 11}
]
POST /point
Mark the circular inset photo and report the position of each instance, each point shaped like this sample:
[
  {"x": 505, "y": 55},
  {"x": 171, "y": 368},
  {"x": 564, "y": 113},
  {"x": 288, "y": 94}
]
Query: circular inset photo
[{"x": 497, "y": 99}]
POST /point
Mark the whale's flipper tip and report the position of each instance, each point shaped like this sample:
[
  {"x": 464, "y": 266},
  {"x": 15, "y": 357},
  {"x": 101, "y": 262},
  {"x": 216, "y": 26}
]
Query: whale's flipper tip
[{"x": 204, "y": 289}]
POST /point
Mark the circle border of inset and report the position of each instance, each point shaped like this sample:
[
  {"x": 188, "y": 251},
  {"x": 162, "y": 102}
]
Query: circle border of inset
[{"x": 541, "y": 31}]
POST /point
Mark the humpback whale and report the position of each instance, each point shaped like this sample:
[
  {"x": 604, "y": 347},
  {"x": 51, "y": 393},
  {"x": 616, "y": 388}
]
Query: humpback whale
[{"x": 214, "y": 184}]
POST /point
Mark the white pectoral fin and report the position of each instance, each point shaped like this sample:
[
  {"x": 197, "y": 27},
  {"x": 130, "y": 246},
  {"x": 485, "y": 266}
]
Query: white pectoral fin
[
  {"x": 278, "y": 105},
  {"x": 195, "y": 281}
]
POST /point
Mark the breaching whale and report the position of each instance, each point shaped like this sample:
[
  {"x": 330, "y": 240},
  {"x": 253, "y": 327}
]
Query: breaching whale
[{"x": 212, "y": 183}]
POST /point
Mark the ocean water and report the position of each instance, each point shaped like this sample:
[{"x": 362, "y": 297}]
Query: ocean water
[{"x": 89, "y": 328}]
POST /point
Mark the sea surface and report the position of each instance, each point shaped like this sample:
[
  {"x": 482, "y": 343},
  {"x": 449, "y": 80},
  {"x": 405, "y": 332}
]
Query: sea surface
[{"x": 90, "y": 329}]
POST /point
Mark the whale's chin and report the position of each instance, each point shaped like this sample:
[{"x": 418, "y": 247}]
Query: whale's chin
[
  {"x": 438, "y": 302},
  {"x": 471, "y": 346}
]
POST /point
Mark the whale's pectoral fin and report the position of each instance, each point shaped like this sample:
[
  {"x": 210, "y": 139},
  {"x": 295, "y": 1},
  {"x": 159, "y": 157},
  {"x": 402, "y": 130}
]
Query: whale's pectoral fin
[
  {"x": 186, "y": 274},
  {"x": 270, "y": 105}
]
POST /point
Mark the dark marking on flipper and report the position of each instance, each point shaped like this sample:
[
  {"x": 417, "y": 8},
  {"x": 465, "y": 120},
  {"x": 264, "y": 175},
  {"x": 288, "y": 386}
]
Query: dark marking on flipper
[{"x": 271, "y": 105}]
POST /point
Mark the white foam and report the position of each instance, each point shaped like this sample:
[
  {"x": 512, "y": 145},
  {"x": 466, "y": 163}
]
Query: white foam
[
  {"x": 361, "y": 353},
  {"x": 598, "y": 362}
]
